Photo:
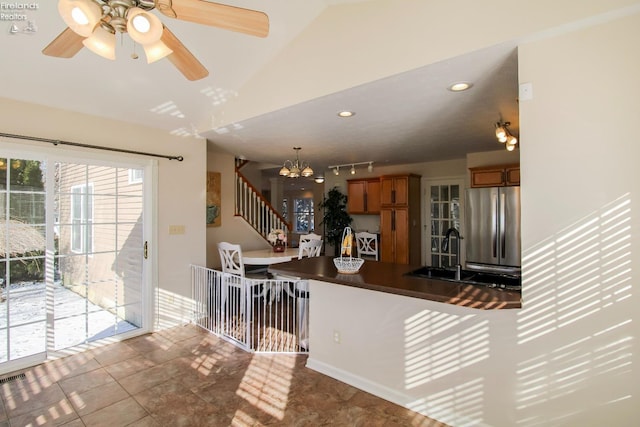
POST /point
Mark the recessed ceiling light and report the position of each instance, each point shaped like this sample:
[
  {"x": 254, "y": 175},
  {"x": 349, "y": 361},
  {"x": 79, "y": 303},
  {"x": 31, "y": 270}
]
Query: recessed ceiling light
[
  {"x": 459, "y": 86},
  {"x": 346, "y": 114}
]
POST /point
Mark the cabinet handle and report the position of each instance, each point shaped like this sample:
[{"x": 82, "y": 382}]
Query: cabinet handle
[
  {"x": 146, "y": 250},
  {"x": 393, "y": 220},
  {"x": 393, "y": 196}
]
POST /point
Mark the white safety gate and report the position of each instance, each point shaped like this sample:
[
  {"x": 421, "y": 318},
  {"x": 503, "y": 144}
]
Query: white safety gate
[{"x": 266, "y": 315}]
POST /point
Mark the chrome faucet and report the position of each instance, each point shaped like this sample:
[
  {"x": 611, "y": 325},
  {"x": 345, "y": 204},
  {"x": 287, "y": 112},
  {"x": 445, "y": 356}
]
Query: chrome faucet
[{"x": 445, "y": 248}]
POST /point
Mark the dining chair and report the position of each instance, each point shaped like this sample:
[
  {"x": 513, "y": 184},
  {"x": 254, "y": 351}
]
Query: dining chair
[
  {"x": 234, "y": 275},
  {"x": 310, "y": 236},
  {"x": 309, "y": 248},
  {"x": 367, "y": 244}
]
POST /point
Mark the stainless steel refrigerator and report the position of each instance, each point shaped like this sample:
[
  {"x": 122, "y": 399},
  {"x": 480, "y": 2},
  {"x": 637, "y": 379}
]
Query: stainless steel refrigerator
[{"x": 492, "y": 218}]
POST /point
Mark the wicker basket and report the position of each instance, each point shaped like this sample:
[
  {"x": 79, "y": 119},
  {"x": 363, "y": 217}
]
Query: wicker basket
[{"x": 347, "y": 264}]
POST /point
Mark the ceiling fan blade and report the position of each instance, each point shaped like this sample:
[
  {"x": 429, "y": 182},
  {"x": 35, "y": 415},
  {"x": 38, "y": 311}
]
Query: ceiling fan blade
[
  {"x": 183, "y": 60},
  {"x": 232, "y": 18},
  {"x": 66, "y": 45}
]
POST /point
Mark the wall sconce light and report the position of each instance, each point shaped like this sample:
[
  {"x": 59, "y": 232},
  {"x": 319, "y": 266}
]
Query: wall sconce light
[
  {"x": 505, "y": 136},
  {"x": 352, "y": 170}
]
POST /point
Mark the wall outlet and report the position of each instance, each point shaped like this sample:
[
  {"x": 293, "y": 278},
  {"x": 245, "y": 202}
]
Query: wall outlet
[{"x": 336, "y": 336}]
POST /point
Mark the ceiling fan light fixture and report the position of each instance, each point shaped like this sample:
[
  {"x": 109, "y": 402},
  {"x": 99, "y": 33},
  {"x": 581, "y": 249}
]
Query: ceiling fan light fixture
[
  {"x": 80, "y": 15},
  {"x": 156, "y": 51},
  {"x": 143, "y": 27},
  {"x": 102, "y": 42}
]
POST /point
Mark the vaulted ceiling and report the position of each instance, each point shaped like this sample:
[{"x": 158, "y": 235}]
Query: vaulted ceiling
[{"x": 406, "y": 117}]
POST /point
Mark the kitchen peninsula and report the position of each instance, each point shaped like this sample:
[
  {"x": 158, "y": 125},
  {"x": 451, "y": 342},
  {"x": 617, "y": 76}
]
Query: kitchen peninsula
[
  {"x": 391, "y": 278},
  {"x": 399, "y": 337}
]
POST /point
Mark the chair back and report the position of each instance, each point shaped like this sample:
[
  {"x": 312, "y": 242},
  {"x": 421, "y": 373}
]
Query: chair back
[
  {"x": 310, "y": 248},
  {"x": 367, "y": 244},
  {"x": 231, "y": 258},
  {"x": 310, "y": 236}
]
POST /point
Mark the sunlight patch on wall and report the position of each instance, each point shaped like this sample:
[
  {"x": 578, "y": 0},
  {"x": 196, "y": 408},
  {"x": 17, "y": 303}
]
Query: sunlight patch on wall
[
  {"x": 172, "y": 309},
  {"x": 462, "y": 403},
  {"x": 440, "y": 344},
  {"x": 577, "y": 299}
]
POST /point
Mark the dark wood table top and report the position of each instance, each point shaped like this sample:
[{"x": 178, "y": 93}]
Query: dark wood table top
[{"x": 391, "y": 278}]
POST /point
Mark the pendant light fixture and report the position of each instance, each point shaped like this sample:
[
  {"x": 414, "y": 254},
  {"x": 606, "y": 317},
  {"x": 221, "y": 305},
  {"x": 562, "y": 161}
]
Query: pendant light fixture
[
  {"x": 296, "y": 169},
  {"x": 505, "y": 136}
]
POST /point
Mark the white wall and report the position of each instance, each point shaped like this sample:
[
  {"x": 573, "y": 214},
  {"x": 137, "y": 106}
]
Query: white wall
[
  {"x": 181, "y": 197},
  {"x": 569, "y": 357}
]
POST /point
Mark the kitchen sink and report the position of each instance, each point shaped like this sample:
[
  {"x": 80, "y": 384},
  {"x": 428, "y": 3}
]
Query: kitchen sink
[{"x": 493, "y": 280}]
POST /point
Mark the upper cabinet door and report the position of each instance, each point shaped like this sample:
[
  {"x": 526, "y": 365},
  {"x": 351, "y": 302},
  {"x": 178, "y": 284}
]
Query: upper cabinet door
[
  {"x": 363, "y": 196},
  {"x": 495, "y": 176},
  {"x": 394, "y": 190}
]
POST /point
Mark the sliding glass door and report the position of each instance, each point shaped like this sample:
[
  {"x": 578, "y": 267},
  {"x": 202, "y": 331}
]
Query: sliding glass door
[
  {"x": 23, "y": 314},
  {"x": 72, "y": 252}
]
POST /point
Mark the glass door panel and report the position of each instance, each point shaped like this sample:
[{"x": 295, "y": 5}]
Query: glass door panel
[
  {"x": 444, "y": 208},
  {"x": 100, "y": 251},
  {"x": 23, "y": 314}
]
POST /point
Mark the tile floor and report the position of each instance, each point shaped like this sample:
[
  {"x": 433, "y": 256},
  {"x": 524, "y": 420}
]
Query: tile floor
[{"x": 185, "y": 376}]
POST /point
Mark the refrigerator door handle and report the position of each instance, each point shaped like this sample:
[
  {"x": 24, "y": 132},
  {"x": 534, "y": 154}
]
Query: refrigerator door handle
[
  {"x": 503, "y": 218},
  {"x": 494, "y": 227}
]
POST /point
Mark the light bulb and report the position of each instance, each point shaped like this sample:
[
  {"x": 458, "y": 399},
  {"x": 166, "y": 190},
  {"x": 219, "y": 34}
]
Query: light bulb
[
  {"x": 336, "y": 170},
  {"x": 156, "y": 51},
  {"x": 501, "y": 133},
  {"x": 80, "y": 15},
  {"x": 353, "y": 170},
  {"x": 102, "y": 42},
  {"x": 370, "y": 167},
  {"x": 143, "y": 27}
]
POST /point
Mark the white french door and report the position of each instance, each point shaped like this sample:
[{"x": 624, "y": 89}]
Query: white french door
[{"x": 72, "y": 253}]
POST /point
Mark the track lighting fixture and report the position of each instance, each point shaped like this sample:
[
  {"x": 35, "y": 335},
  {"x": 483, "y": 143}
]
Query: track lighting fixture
[
  {"x": 505, "y": 136},
  {"x": 352, "y": 170}
]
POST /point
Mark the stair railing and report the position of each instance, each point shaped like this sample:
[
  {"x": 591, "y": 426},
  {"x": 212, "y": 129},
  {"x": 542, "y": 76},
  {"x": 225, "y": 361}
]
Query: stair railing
[{"x": 254, "y": 208}]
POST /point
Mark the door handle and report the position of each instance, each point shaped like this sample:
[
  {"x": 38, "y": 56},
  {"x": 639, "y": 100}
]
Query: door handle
[{"x": 146, "y": 250}]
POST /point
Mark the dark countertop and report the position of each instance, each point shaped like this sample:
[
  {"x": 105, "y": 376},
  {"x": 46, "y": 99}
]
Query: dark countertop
[{"x": 390, "y": 278}]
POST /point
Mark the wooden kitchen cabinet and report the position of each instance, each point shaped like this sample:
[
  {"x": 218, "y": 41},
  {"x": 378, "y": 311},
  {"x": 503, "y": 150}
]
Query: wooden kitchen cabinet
[
  {"x": 363, "y": 196},
  {"x": 400, "y": 240},
  {"x": 495, "y": 176}
]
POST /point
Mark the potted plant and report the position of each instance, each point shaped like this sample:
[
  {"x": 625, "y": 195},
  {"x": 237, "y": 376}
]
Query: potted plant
[{"x": 335, "y": 217}]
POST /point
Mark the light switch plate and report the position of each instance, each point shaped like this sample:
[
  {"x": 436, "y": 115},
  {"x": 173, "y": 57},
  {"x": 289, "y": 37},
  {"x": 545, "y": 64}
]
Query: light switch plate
[
  {"x": 526, "y": 91},
  {"x": 176, "y": 229}
]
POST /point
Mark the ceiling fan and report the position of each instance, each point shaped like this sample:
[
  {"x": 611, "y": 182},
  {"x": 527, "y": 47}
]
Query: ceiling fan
[{"x": 94, "y": 23}]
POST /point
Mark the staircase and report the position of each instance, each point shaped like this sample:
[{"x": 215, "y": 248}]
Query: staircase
[{"x": 254, "y": 208}]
